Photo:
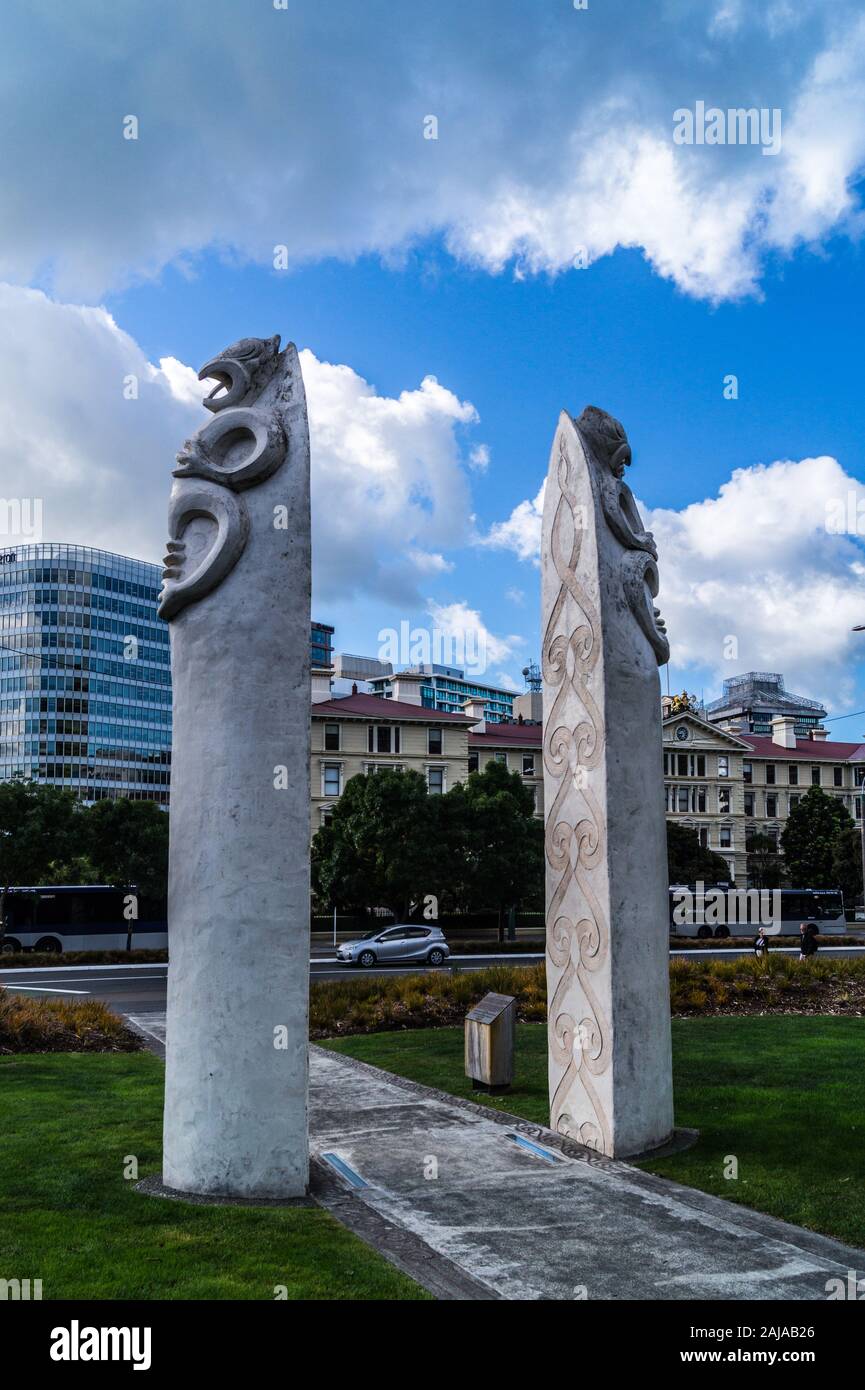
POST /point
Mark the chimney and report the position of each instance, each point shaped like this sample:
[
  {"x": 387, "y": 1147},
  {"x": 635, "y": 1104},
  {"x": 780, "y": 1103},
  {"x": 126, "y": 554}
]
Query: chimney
[
  {"x": 819, "y": 733},
  {"x": 320, "y": 678},
  {"x": 474, "y": 708},
  {"x": 354, "y": 687},
  {"x": 406, "y": 687},
  {"x": 784, "y": 731}
]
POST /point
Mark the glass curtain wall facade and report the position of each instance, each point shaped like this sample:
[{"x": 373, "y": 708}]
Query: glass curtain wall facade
[{"x": 85, "y": 679}]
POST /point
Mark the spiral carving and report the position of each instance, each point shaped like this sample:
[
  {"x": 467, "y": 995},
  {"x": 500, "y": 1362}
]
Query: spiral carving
[{"x": 575, "y": 840}]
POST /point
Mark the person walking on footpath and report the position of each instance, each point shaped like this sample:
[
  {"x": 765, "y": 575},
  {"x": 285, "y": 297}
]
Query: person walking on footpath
[
  {"x": 807, "y": 940},
  {"x": 761, "y": 944}
]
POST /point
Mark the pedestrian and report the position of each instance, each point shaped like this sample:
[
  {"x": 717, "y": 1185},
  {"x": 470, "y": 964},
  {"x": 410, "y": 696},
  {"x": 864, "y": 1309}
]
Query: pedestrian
[
  {"x": 807, "y": 940},
  {"x": 761, "y": 944}
]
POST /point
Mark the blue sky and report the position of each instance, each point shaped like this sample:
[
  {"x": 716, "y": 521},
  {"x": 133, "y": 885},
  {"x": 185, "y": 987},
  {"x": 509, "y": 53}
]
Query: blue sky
[{"x": 452, "y": 259}]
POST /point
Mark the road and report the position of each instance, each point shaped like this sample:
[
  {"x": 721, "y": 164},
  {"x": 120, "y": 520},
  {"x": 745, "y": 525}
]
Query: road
[{"x": 141, "y": 989}]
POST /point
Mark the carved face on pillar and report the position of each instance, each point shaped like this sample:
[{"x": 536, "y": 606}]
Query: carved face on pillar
[
  {"x": 208, "y": 523},
  {"x": 607, "y": 443}
]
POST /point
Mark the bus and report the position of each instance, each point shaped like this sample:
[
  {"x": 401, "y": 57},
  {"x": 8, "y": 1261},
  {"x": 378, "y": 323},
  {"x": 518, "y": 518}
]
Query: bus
[
  {"x": 80, "y": 917},
  {"x": 721, "y": 910}
]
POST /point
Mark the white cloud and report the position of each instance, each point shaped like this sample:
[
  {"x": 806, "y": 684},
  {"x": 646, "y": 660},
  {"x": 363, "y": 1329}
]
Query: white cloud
[
  {"x": 776, "y": 561},
  {"x": 479, "y": 646},
  {"x": 305, "y": 130},
  {"x": 479, "y": 458},
  {"x": 390, "y": 490},
  {"x": 521, "y": 533}
]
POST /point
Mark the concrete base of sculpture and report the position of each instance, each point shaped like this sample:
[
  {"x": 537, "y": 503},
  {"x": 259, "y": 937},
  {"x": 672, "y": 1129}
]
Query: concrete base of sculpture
[{"x": 606, "y": 856}]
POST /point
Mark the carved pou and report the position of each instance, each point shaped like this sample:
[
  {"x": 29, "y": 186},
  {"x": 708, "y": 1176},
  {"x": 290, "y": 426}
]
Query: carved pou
[
  {"x": 606, "y": 860},
  {"x": 236, "y": 593}
]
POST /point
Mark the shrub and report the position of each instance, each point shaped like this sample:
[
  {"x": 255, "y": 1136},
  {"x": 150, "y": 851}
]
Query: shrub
[{"x": 61, "y": 1025}]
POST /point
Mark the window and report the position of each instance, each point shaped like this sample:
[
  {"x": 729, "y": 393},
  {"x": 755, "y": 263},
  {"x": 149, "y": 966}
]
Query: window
[
  {"x": 331, "y": 738},
  {"x": 725, "y": 840},
  {"x": 770, "y": 774},
  {"x": 528, "y": 764},
  {"x": 749, "y": 803},
  {"x": 682, "y": 764},
  {"x": 837, "y": 776},
  {"x": 383, "y": 738},
  {"x": 698, "y": 799},
  {"x": 724, "y": 800},
  {"x": 815, "y": 776},
  {"x": 793, "y": 775},
  {"x": 434, "y": 742},
  {"x": 435, "y": 780},
  {"x": 331, "y": 777},
  {"x": 723, "y": 765},
  {"x": 771, "y": 804},
  {"x": 473, "y": 762},
  {"x": 747, "y": 773},
  {"x": 703, "y": 833},
  {"x": 501, "y": 758},
  {"x": 682, "y": 799},
  {"x": 795, "y": 798}
]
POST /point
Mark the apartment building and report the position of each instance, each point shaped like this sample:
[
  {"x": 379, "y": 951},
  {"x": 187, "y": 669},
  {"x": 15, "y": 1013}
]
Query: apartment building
[{"x": 728, "y": 784}]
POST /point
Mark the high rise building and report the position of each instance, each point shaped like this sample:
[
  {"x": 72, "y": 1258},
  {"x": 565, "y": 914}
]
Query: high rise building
[
  {"x": 85, "y": 681},
  {"x": 85, "y": 676},
  {"x": 445, "y": 688},
  {"x": 750, "y": 703}
]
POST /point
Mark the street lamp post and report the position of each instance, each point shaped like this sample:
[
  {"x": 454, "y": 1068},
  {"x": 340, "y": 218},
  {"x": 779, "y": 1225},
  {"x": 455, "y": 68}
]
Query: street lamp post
[{"x": 860, "y": 781}]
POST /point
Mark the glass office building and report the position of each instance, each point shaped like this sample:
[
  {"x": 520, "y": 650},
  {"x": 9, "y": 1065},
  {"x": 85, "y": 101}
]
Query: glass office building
[
  {"x": 85, "y": 675},
  {"x": 85, "y": 681},
  {"x": 446, "y": 688}
]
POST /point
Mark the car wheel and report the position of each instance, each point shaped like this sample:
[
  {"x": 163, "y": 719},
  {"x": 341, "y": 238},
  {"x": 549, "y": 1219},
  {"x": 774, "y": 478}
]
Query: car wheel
[
  {"x": 366, "y": 959},
  {"x": 703, "y": 932},
  {"x": 436, "y": 957},
  {"x": 49, "y": 944},
  {"x": 9, "y": 946},
  {"x": 722, "y": 932}
]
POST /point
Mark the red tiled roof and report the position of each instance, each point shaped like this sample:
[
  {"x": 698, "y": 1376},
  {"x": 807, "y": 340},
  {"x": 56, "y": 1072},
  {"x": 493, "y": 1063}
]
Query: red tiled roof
[
  {"x": 809, "y": 749},
  {"x": 528, "y": 735},
  {"x": 364, "y": 706}
]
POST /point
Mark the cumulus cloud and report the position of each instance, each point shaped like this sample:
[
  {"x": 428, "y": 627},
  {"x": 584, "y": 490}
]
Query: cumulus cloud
[
  {"x": 521, "y": 532},
  {"x": 91, "y": 428},
  {"x": 768, "y": 575},
  {"x": 474, "y": 646},
  {"x": 303, "y": 129}
]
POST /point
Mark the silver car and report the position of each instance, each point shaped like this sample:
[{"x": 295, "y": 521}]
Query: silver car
[{"x": 399, "y": 943}]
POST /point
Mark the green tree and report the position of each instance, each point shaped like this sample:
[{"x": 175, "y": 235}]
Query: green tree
[
  {"x": 690, "y": 862},
  {"x": 378, "y": 849},
  {"x": 810, "y": 839},
  {"x": 38, "y": 826},
  {"x": 847, "y": 864},
  {"x": 765, "y": 866},
  {"x": 504, "y": 842},
  {"x": 127, "y": 843}
]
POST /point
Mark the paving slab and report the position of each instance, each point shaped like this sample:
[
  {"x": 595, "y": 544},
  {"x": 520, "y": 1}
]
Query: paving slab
[
  {"x": 476, "y": 1204},
  {"x": 562, "y": 1223}
]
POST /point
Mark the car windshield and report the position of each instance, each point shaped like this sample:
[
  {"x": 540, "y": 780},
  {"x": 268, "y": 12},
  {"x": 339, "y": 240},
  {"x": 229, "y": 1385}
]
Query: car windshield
[{"x": 368, "y": 935}]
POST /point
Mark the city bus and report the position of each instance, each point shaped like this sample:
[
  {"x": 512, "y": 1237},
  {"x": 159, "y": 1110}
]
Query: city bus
[
  {"x": 80, "y": 917},
  {"x": 721, "y": 910}
]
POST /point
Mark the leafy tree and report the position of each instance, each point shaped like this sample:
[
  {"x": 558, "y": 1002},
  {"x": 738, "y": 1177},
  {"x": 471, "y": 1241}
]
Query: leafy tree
[
  {"x": 847, "y": 864},
  {"x": 37, "y": 829},
  {"x": 503, "y": 841},
  {"x": 810, "y": 837},
  {"x": 765, "y": 866},
  {"x": 127, "y": 844},
  {"x": 377, "y": 850},
  {"x": 690, "y": 862}
]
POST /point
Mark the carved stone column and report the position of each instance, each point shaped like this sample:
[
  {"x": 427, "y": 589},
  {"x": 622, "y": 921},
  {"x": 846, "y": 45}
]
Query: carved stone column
[
  {"x": 606, "y": 856},
  {"x": 236, "y": 592}
]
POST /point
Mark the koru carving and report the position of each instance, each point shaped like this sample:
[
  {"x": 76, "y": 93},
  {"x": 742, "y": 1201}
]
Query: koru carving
[{"x": 208, "y": 523}]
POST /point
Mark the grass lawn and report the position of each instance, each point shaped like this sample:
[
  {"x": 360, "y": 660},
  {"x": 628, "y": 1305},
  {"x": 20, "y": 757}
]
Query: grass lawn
[
  {"x": 69, "y": 1218},
  {"x": 784, "y": 1095}
]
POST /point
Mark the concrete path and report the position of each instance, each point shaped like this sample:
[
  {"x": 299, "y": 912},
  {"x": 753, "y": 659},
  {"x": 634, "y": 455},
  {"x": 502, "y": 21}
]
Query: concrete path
[{"x": 479, "y": 1205}]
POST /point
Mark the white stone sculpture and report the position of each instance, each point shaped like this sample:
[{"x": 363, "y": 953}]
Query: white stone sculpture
[
  {"x": 236, "y": 592},
  {"x": 606, "y": 859}
]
